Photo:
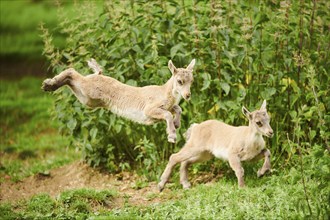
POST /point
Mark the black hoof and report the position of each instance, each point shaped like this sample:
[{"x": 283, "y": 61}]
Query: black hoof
[{"x": 47, "y": 86}]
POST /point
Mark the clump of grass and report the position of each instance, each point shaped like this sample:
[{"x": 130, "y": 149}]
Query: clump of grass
[
  {"x": 71, "y": 204},
  {"x": 76, "y": 198},
  {"x": 7, "y": 212},
  {"x": 40, "y": 205}
]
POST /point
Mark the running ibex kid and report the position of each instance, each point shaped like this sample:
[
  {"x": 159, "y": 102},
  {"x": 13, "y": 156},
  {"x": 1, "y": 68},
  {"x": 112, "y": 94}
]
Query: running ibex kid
[{"x": 234, "y": 144}]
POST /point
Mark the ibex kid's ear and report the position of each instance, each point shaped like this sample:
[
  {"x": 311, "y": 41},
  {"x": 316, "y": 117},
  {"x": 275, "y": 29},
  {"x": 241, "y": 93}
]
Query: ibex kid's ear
[
  {"x": 246, "y": 113},
  {"x": 191, "y": 65},
  {"x": 263, "y": 106},
  {"x": 172, "y": 67}
]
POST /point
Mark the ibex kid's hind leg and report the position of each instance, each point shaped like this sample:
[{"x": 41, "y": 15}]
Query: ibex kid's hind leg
[
  {"x": 184, "y": 174},
  {"x": 64, "y": 78},
  {"x": 200, "y": 157},
  {"x": 183, "y": 156},
  {"x": 71, "y": 78}
]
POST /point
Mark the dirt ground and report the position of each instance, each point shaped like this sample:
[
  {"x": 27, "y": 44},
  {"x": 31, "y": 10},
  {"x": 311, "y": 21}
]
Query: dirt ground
[{"x": 79, "y": 175}]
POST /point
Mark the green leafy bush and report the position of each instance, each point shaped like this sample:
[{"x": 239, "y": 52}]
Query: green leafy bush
[{"x": 278, "y": 51}]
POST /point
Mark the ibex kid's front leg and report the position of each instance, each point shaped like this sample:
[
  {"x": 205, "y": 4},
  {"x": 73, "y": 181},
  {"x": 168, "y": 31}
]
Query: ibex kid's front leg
[
  {"x": 159, "y": 113},
  {"x": 235, "y": 164},
  {"x": 177, "y": 111},
  {"x": 266, "y": 166}
]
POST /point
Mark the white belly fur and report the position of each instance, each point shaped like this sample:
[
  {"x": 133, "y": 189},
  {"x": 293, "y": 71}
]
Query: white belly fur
[
  {"x": 221, "y": 153},
  {"x": 132, "y": 114}
]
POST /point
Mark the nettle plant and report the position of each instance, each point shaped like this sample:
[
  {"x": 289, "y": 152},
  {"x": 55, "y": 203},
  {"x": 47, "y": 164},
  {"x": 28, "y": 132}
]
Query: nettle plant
[{"x": 277, "y": 51}]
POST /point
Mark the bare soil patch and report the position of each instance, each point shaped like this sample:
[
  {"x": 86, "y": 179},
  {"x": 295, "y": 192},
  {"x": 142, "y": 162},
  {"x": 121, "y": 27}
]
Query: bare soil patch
[{"x": 79, "y": 175}]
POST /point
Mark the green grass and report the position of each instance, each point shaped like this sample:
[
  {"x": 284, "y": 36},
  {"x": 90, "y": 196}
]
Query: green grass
[
  {"x": 20, "y": 21},
  {"x": 278, "y": 196},
  {"x": 19, "y": 25},
  {"x": 273, "y": 197},
  {"x": 72, "y": 204},
  {"x": 30, "y": 142}
]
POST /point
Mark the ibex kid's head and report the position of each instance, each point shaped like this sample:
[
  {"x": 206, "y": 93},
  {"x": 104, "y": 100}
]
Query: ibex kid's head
[
  {"x": 183, "y": 79},
  {"x": 259, "y": 119}
]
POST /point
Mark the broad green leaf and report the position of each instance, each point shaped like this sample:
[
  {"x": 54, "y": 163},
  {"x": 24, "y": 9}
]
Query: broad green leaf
[
  {"x": 140, "y": 63},
  {"x": 293, "y": 114},
  {"x": 261, "y": 18},
  {"x": 225, "y": 86},
  {"x": 175, "y": 49},
  {"x": 93, "y": 132},
  {"x": 268, "y": 93},
  {"x": 72, "y": 124},
  {"x": 89, "y": 147},
  {"x": 137, "y": 49},
  {"x": 206, "y": 81},
  {"x": 131, "y": 82},
  {"x": 312, "y": 134}
]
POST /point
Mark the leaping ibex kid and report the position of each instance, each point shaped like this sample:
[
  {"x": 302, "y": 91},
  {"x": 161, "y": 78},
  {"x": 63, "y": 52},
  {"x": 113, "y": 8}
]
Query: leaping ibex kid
[{"x": 145, "y": 105}]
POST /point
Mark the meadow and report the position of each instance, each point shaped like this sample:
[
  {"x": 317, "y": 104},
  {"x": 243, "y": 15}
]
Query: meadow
[
  {"x": 31, "y": 145},
  {"x": 30, "y": 142},
  {"x": 245, "y": 52},
  {"x": 20, "y": 21}
]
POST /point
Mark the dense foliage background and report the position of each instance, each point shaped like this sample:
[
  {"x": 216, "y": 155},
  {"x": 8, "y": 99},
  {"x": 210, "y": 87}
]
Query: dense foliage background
[{"x": 246, "y": 52}]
